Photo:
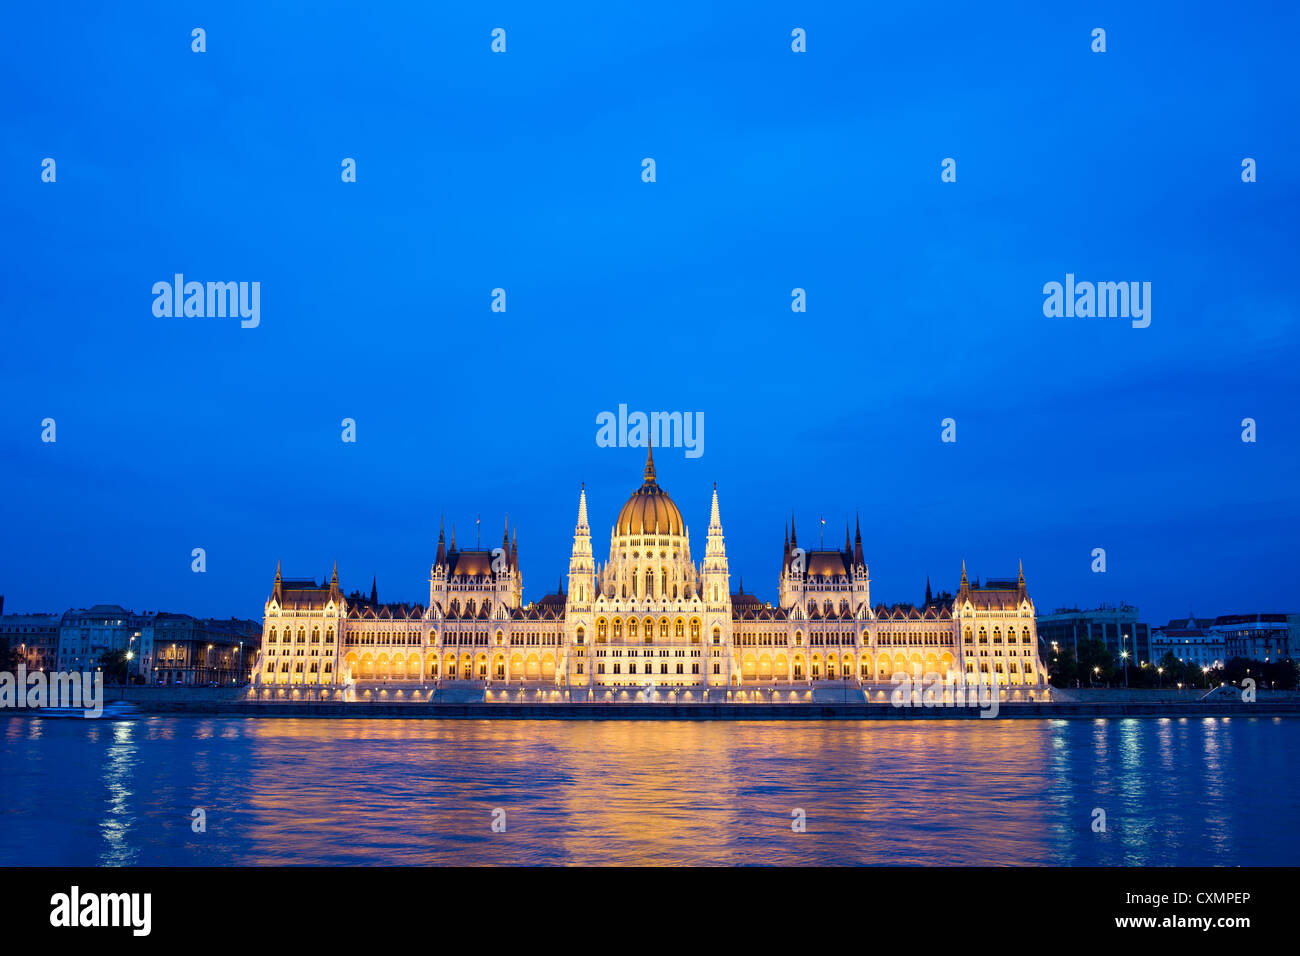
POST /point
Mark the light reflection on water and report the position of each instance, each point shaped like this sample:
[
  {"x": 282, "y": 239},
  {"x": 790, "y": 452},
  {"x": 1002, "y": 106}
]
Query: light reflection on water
[{"x": 1174, "y": 791}]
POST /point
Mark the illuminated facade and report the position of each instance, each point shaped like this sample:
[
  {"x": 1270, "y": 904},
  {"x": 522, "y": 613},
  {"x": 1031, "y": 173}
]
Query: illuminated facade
[{"x": 648, "y": 620}]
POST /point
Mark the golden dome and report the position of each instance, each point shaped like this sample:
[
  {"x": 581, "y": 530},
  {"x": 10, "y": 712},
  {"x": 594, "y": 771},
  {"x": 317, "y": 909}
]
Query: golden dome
[{"x": 650, "y": 510}]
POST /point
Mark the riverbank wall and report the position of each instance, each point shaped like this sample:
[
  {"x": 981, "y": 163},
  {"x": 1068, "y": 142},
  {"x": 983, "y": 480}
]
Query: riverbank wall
[{"x": 233, "y": 702}]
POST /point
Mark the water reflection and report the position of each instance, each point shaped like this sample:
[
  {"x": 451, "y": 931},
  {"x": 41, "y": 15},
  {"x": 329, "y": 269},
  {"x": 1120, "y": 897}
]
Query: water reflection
[
  {"x": 423, "y": 791},
  {"x": 118, "y": 819}
]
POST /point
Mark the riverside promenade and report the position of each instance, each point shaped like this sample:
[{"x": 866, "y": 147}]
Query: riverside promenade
[{"x": 1065, "y": 705}]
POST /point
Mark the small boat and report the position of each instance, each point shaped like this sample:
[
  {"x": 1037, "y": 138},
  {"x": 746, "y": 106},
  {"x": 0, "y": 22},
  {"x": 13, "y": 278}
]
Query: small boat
[{"x": 114, "y": 710}]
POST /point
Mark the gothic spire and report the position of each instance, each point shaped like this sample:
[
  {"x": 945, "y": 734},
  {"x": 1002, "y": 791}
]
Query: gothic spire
[
  {"x": 649, "y": 464},
  {"x": 582, "y": 510}
]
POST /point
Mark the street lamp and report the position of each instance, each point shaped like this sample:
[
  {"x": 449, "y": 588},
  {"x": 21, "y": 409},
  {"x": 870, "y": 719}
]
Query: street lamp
[
  {"x": 1124, "y": 656},
  {"x": 1160, "y": 679}
]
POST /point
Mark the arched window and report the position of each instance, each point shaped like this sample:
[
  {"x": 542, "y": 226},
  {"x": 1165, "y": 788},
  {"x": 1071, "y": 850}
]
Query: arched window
[
  {"x": 695, "y": 630},
  {"x": 717, "y": 635},
  {"x": 679, "y": 629},
  {"x": 631, "y": 628},
  {"x": 663, "y": 628},
  {"x": 601, "y": 631},
  {"x": 618, "y": 629}
]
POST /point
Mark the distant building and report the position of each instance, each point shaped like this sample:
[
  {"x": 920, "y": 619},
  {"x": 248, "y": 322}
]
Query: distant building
[
  {"x": 88, "y": 635},
  {"x": 1257, "y": 637},
  {"x": 35, "y": 635},
  {"x": 1191, "y": 640},
  {"x": 197, "y": 651},
  {"x": 1117, "y": 627}
]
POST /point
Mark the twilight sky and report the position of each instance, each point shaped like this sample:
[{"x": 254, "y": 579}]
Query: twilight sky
[{"x": 775, "y": 170}]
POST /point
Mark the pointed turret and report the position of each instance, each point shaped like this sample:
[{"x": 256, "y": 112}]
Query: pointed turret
[
  {"x": 334, "y": 583},
  {"x": 794, "y": 537},
  {"x": 857, "y": 543},
  {"x": 440, "y": 559},
  {"x": 847, "y": 546},
  {"x": 514, "y": 548},
  {"x": 276, "y": 593},
  {"x": 965, "y": 582},
  {"x": 582, "y": 564},
  {"x": 715, "y": 576},
  {"x": 929, "y": 595},
  {"x": 649, "y": 464},
  {"x": 374, "y": 590}
]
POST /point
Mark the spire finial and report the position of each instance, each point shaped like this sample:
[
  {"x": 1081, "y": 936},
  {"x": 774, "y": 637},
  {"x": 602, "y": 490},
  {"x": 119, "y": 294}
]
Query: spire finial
[{"x": 649, "y": 464}]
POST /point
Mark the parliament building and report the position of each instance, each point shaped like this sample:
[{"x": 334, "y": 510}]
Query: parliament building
[{"x": 647, "y": 623}]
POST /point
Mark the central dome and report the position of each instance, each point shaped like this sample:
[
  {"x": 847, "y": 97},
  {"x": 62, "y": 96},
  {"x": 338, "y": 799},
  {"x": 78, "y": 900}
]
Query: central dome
[{"x": 649, "y": 510}]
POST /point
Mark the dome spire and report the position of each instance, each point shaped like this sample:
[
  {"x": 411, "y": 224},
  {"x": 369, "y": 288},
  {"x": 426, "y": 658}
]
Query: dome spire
[{"x": 649, "y": 464}]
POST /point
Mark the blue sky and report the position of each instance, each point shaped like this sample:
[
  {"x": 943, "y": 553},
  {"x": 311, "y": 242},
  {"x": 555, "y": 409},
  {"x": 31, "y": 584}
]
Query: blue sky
[{"x": 775, "y": 171}]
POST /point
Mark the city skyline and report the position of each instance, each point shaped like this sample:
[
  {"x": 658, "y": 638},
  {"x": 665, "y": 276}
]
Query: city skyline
[{"x": 536, "y": 586}]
